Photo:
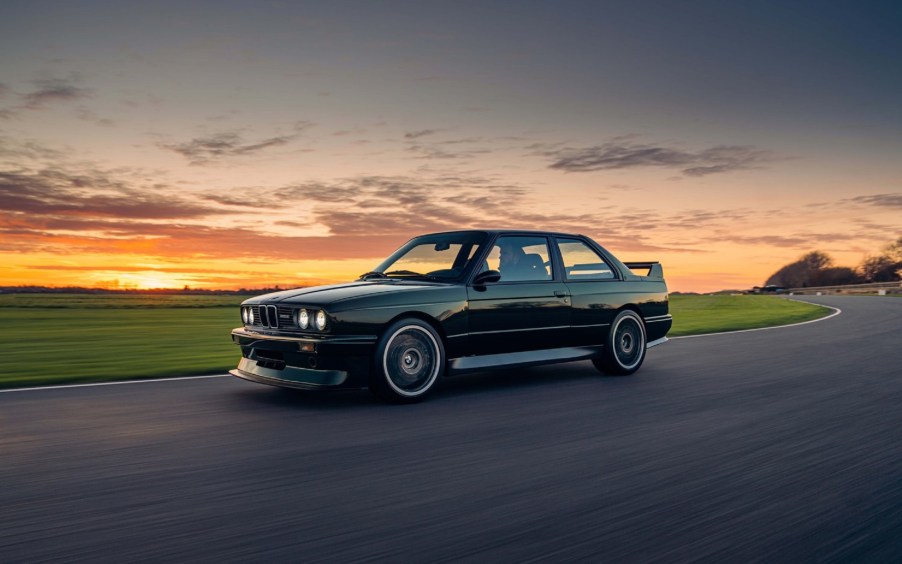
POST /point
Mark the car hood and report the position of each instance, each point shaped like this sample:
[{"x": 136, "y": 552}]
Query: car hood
[{"x": 325, "y": 295}]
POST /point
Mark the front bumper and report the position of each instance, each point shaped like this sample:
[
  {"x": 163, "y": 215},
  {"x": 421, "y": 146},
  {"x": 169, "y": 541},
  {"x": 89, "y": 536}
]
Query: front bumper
[{"x": 324, "y": 361}]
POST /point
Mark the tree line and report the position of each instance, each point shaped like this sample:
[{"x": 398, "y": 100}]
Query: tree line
[{"x": 817, "y": 269}]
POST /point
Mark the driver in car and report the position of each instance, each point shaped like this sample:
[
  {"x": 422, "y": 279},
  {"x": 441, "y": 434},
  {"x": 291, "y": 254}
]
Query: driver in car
[{"x": 512, "y": 264}]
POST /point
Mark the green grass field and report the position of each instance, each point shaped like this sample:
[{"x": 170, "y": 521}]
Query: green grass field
[
  {"x": 695, "y": 315},
  {"x": 68, "y": 338},
  {"x": 79, "y": 338}
]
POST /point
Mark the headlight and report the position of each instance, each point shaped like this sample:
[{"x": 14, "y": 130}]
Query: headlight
[
  {"x": 303, "y": 319},
  {"x": 250, "y": 315},
  {"x": 244, "y": 315},
  {"x": 321, "y": 320}
]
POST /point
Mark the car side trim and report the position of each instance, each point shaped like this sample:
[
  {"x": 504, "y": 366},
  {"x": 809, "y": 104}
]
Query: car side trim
[
  {"x": 526, "y": 358},
  {"x": 519, "y": 330},
  {"x": 408, "y": 306}
]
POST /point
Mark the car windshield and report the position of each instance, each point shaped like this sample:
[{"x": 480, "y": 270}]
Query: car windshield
[{"x": 441, "y": 257}]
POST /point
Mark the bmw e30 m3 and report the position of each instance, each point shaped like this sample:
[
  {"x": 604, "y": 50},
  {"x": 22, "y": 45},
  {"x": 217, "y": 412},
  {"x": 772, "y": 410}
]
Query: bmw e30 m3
[{"x": 456, "y": 302}]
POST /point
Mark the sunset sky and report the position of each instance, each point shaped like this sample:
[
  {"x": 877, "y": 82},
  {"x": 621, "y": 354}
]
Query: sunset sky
[{"x": 248, "y": 144}]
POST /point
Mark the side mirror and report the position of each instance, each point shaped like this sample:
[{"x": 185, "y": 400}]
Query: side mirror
[{"x": 486, "y": 277}]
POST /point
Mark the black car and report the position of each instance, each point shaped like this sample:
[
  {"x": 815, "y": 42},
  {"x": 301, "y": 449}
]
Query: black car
[{"x": 456, "y": 302}]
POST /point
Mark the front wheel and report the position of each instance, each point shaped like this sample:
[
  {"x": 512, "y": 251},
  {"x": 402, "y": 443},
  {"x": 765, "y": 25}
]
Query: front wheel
[
  {"x": 409, "y": 360},
  {"x": 625, "y": 348}
]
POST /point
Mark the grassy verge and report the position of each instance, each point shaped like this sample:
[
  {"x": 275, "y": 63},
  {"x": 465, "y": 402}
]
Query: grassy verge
[
  {"x": 696, "y": 315},
  {"x": 78, "y": 338},
  {"x": 97, "y": 338}
]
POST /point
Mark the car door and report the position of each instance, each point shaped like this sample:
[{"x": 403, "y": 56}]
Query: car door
[
  {"x": 594, "y": 287},
  {"x": 526, "y": 310}
]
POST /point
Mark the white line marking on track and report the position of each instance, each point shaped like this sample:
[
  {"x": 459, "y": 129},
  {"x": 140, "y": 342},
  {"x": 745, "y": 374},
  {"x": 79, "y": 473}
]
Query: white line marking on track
[
  {"x": 146, "y": 381},
  {"x": 836, "y": 311}
]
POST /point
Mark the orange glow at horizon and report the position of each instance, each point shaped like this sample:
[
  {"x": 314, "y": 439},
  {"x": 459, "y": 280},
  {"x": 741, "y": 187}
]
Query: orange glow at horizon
[
  {"x": 72, "y": 237},
  {"x": 720, "y": 268}
]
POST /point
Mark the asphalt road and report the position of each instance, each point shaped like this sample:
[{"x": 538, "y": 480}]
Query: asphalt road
[{"x": 777, "y": 445}]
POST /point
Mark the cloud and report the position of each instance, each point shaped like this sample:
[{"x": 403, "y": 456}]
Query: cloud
[
  {"x": 621, "y": 154},
  {"x": 421, "y": 133},
  {"x": 124, "y": 268},
  {"x": 437, "y": 152},
  {"x": 50, "y": 90},
  {"x": 181, "y": 240},
  {"x": 357, "y": 130},
  {"x": 203, "y": 150},
  {"x": 705, "y": 219},
  {"x": 448, "y": 149},
  {"x": 14, "y": 151},
  {"x": 77, "y": 208},
  {"x": 800, "y": 240},
  {"x": 56, "y": 210},
  {"x": 302, "y": 125},
  {"x": 315, "y": 192},
  {"x": 3, "y": 90},
  {"x": 90, "y": 193},
  {"x": 95, "y": 211},
  {"x": 85, "y": 114},
  {"x": 399, "y": 207},
  {"x": 248, "y": 199},
  {"x": 893, "y": 200}
]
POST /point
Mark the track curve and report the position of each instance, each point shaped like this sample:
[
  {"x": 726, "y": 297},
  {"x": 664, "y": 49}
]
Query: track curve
[{"x": 773, "y": 445}]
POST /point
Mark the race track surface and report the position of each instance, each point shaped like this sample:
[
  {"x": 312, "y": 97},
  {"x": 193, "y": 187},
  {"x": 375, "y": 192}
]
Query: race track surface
[{"x": 777, "y": 445}]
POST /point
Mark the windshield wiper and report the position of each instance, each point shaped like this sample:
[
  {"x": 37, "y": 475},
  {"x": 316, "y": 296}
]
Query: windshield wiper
[
  {"x": 372, "y": 274},
  {"x": 409, "y": 273}
]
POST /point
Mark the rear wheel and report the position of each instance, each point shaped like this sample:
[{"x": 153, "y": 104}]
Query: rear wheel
[
  {"x": 408, "y": 362},
  {"x": 625, "y": 348}
]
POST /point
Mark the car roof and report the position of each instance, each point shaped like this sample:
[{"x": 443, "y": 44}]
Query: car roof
[{"x": 507, "y": 231}]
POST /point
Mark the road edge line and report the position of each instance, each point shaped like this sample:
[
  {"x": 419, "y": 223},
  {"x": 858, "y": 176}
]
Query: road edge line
[{"x": 117, "y": 383}]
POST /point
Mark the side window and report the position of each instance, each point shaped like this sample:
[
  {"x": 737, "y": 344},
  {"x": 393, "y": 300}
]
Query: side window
[
  {"x": 521, "y": 258},
  {"x": 581, "y": 262}
]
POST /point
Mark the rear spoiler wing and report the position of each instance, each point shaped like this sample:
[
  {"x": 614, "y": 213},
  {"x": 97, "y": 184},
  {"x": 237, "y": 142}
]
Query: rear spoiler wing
[{"x": 654, "y": 269}]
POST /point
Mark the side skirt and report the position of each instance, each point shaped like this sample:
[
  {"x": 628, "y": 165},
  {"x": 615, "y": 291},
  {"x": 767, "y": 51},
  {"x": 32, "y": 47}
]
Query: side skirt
[{"x": 526, "y": 358}]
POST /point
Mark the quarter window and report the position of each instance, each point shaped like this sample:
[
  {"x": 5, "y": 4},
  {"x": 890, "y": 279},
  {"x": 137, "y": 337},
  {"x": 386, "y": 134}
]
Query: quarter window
[{"x": 581, "y": 262}]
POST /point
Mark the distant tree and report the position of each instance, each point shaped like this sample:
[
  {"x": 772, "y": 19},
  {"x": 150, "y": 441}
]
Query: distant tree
[
  {"x": 816, "y": 260},
  {"x": 894, "y": 251},
  {"x": 804, "y": 272},
  {"x": 885, "y": 267},
  {"x": 880, "y": 269},
  {"x": 836, "y": 276}
]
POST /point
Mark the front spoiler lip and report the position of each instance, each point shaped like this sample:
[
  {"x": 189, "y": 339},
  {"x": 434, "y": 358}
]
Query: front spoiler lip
[{"x": 290, "y": 376}]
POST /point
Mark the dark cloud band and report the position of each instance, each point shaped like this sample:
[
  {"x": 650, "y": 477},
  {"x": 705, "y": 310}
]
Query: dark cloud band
[
  {"x": 204, "y": 150},
  {"x": 620, "y": 155}
]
